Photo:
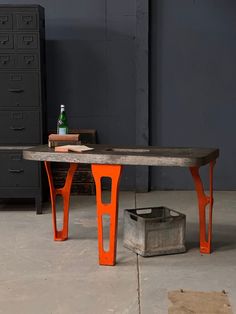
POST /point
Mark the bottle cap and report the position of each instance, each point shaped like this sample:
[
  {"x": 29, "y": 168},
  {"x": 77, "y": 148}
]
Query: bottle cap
[{"x": 62, "y": 106}]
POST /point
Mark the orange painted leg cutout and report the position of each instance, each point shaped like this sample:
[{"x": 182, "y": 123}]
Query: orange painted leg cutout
[
  {"x": 111, "y": 209},
  {"x": 65, "y": 192},
  {"x": 203, "y": 202}
]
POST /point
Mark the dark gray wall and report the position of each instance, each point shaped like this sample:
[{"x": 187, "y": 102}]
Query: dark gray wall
[
  {"x": 91, "y": 67},
  {"x": 193, "y": 84},
  {"x": 92, "y": 64}
]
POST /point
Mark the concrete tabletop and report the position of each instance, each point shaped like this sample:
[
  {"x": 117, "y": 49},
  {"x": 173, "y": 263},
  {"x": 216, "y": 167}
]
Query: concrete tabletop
[{"x": 148, "y": 155}]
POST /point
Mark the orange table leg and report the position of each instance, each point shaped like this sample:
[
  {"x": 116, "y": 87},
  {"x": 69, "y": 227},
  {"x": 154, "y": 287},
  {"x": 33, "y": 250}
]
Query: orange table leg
[
  {"x": 65, "y": 192},
  {"x": 111, "y": 209},
  {"x": 203, "y": 202}
]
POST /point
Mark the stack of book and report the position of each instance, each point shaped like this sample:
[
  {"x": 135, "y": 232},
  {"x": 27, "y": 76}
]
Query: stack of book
[
  {"x": 83, "y": 182},
  {"x": 55, "y": 140}
]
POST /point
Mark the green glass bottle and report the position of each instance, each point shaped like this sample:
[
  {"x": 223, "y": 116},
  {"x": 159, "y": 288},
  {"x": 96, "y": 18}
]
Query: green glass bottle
[{"x": 62, "y": 125}]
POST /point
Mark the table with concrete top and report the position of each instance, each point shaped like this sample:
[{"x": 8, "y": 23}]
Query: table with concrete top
[{"x": 107, "y": 161}]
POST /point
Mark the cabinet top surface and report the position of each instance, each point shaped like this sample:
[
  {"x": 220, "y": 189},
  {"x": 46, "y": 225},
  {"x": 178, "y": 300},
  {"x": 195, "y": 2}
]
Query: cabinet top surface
[
  {"x": 128, "y": 155},
  {"x": 20, "y": 6}
]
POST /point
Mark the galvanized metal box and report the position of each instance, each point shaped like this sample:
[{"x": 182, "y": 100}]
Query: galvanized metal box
[{"x": 154, "y": 231}]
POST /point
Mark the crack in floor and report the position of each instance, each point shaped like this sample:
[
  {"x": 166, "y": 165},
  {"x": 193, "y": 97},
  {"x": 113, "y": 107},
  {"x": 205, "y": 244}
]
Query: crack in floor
[{"x": 138, "y": 289}]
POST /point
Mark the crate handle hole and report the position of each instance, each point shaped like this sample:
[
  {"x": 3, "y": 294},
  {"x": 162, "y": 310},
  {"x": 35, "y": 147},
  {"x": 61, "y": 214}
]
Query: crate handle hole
[
  {"x": 174, "y": 214},
  {"x": 144, "y": 211}
]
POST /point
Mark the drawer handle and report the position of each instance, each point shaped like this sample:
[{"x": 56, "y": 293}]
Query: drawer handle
[
  {"x": 16, "y": 170},
  {"x": 15, "y": 90},
  {"x": 20, "y": 128},
  {"x": 27, "y": 19},
  {"x": 28, "y": 40},
  {"x": 28, "y": 60},
  {"x": 4, "y": 60},
  {"x": 3, "y": 19}
]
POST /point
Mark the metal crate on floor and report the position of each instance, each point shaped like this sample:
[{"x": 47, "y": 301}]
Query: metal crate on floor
[{"x": 154, "y": 231}]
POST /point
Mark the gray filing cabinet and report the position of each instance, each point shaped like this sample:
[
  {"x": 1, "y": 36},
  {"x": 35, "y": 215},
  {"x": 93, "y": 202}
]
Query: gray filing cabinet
[{"x": 22, "y": 99}]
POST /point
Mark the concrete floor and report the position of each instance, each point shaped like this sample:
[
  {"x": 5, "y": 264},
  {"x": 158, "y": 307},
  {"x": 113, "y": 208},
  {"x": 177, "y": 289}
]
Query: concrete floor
[{"x": 38, "y": 275}]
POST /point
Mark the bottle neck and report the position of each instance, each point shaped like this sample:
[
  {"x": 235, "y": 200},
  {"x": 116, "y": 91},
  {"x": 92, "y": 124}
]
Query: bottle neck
[{"x": 62, "y": 109}]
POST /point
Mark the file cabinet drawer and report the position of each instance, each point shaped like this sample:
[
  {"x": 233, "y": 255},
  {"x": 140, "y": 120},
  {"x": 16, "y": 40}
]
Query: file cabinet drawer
[
  {"x": 5, "y": 21},
  {"x": 27, "y": 61},
  {"x": 7, "y": 61},
  {"x": 26, "y": 41},
  {"x": 20, "y": 127},
  {"x": 17, "y": 172},
  {"x": 19, "y": 89},
  {"x": 26, "y": 21},
  {"x": 6, "y": 41}
]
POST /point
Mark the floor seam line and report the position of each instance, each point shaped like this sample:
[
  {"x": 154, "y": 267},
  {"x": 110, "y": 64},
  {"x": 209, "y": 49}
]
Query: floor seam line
[
  {"x": 138, "y": 270},
  {"x": 138, "y": 289}
]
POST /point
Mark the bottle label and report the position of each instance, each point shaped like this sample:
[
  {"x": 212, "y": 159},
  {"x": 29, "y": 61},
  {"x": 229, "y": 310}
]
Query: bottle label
[{"x": 62, "y": 131}]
